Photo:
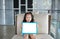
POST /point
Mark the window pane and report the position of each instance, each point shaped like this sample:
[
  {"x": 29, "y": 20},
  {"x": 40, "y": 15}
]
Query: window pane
[
  {"x": 30, "y": 10},
  {"x": 30, "y": 6},
  {"x": 1, "y": 17},
  {"x": 9, "y": 15},
  {"x": 1, "y": 4},
  {"x": 23, "y": 1},
  {"x": 1, "y": 12},
  {"x": 29, "y": 3},
  {"x": 16, "y": 12},
  {"x": 16, "y": 3},
  {"x": 23, "y": 9}
]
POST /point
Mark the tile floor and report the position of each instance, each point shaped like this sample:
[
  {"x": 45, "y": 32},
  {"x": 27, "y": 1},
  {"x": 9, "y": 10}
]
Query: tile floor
[{"x": 8, "y": 32}]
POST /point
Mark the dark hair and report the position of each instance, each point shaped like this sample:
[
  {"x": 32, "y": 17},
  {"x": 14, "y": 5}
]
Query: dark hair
[{"x": 32, "y": 20}]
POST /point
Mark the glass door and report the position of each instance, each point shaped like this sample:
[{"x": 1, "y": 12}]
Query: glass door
[{"x": 55, "y": 20}]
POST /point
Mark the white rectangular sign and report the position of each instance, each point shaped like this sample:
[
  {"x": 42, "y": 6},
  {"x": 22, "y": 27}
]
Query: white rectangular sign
[{"x": 29, "y": 28}]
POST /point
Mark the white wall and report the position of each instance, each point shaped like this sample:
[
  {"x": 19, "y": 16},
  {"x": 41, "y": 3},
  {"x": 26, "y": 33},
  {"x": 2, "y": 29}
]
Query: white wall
[{"x": 41, "y": 5}]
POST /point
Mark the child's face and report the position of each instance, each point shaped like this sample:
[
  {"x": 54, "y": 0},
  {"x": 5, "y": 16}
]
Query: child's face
[{"x": 28, "y": 17}]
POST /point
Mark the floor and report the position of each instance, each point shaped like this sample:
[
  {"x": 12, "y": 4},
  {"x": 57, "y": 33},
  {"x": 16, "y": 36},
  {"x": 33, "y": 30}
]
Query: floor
[{"x": 8, "y": 32}]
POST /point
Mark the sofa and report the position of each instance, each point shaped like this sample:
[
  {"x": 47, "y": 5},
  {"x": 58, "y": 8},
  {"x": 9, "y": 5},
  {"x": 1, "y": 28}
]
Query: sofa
[{"x": 43, "y": 26}]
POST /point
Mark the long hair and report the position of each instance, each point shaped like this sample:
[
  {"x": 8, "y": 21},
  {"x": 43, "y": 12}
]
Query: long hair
[{"x": 32, "y": 20}]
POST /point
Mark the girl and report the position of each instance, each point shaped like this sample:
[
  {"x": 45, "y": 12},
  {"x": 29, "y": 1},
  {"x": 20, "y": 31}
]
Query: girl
[{"x": 28, "y": 17}]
